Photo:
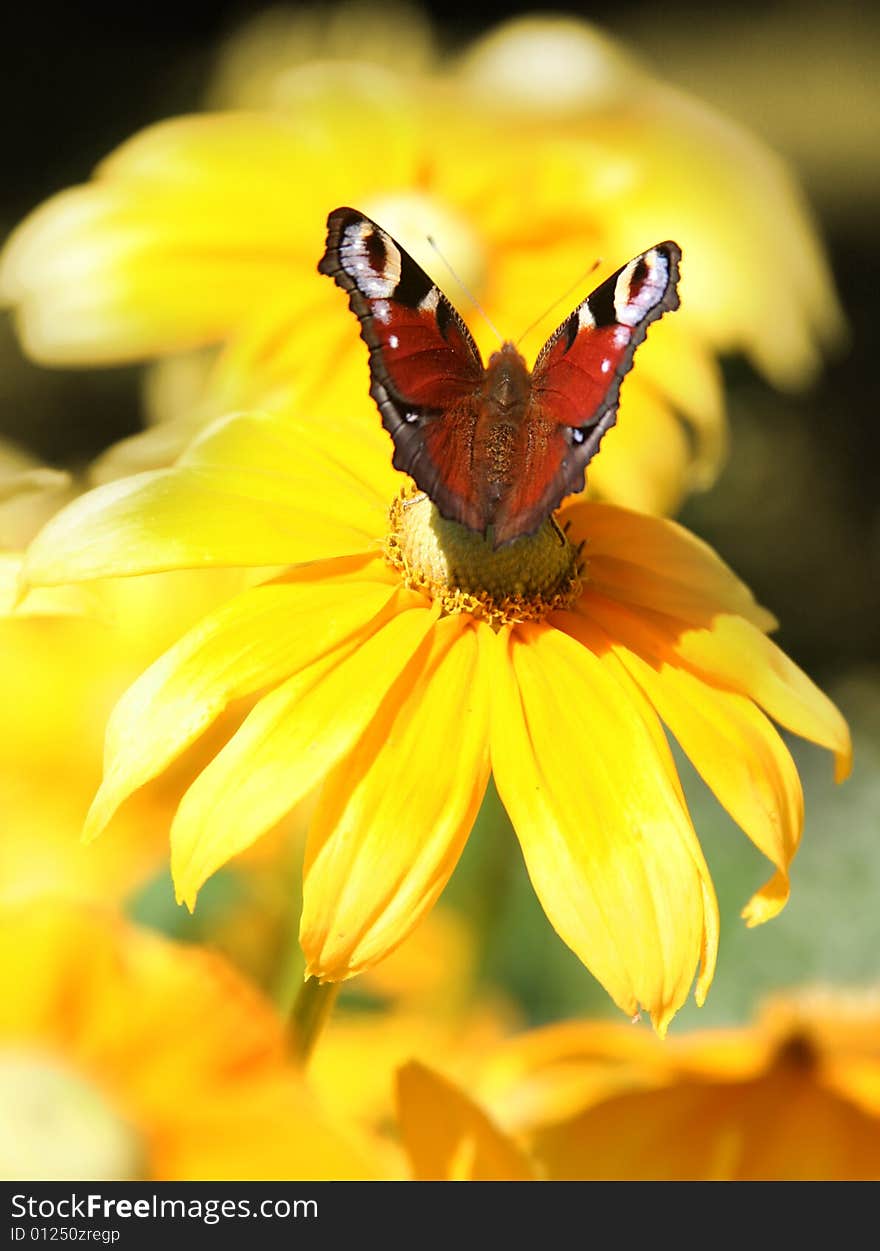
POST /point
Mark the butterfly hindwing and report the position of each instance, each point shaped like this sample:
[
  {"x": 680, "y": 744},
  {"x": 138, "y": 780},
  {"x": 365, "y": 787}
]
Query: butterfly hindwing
[{"x": 424, "y": 365}]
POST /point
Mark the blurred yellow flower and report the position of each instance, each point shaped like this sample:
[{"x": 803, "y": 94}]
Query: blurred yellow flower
[
  {"x": 61, "y": 674},
  {"x": 541, "y": 149},
  {"x": 126, "y": 1057},
  {"x": 29, "y": 493},
  {"x": 66, "y": 655},
  {"x": 399, "y": 658},
  {"x": 420, "y": 1003},
  {"x": 254, "y": 64},
  {"x": 448, "y": 1137},
  {"x": 61, "y": 670},
  {"x": 794, "y": 1097}
]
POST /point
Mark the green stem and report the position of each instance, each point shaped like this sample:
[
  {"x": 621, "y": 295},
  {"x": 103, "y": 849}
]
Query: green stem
[
  {"x": 311, "y": 1012},
  {"x": 288, "y": 979}
]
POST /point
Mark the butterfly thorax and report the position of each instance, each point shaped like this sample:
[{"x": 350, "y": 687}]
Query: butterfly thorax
[
  {"x": 508, "y": 382},
  {"x": 503, "y": 404}
]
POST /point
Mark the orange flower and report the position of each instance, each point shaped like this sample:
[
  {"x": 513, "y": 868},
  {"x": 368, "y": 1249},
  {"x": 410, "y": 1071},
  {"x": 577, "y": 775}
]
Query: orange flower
[
  {"x": 126, "y": 1057},
  {"x": 448, "y": 1137},
  {"x": 421, "y": 1002},
  {"x": 794, "y": 1097}
]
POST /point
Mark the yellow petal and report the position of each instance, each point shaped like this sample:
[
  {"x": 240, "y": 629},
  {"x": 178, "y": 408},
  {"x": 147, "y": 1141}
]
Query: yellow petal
[
  {"x": 448, "y": 1137},
  {"x": 288, "y": 742},
  {"x": 120, "y": 269},
  {"x": 733, "y": 653},
  {"x": 252, "y": 66},
  {"x": 731, "y": 744},
  {"x": 710, "y": 188},
  {"x": 273, "y": 1130},
  {"x": 395, "y": 814},
  {"x": 658, "y": 564},
  {"x": 780, "y": 1126},
  {"x": 580, "y": 766},
  {"x": 17, "y": 601},
  {"x": 261, "y": 637},
  {"x": 356, "y": 462},
  {"x": 548, "y": 66},
  {"x": 687, "y": 173},
  {"x": 208, "y": 512},
  {"x": 676, "y": 362},
  {"x": 180, "y": 1046},
  {"x": 645, "y": 455},
  {"x": 302, "y": 336},
  {"x": 550, "y": 1074},
  {"x": 106, "y": 274}
]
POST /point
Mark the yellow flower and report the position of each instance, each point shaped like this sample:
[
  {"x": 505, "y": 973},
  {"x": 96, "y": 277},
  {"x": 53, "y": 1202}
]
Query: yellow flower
[
  {"x": 126, "y": 1057},
  {"x": 29, "y": 493},
  {"x": 398, "y": 658},
  {"x": 61, "y": 675},
  {"x": 253, "y": 66},
  {"x": 540, "y": 150},
  {"x": 66, "y": 655},
  {"x": 448, "y": 1137},
  {"x": 794, "y": 1097},
  {"x": 422, "y": 1002}
]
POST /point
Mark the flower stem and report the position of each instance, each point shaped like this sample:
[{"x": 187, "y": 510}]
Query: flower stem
[{"x": 312, "y": 1009}]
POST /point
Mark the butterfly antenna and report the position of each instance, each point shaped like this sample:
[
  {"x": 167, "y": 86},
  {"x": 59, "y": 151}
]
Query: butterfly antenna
[
  {"x": 577, "y": 282},
  {"x": 466, "y": 289}
]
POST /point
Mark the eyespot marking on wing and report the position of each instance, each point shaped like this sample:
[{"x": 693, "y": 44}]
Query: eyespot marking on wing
[
  {"x": 371, "y": 259},
  {"x": 641, "y": 286}
]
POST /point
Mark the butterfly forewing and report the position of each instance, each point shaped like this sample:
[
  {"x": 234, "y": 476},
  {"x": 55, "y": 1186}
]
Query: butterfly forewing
[
  {"x": 424, "y": 364},
  {"x": 577, "y": 375}
]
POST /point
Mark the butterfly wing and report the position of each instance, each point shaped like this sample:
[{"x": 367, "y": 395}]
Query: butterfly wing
[
  {"x": 425, "y": 369},
  {"x": 577, "y": 376}
]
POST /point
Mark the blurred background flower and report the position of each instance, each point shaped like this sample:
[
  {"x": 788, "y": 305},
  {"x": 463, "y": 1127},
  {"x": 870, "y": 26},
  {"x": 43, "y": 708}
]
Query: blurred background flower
[
  {"x": 795, "y": 1095},
  {"x": 540, "y": 150},
  {"x": 126, "y": 1057},
  {"x": 66, "y": 655}
]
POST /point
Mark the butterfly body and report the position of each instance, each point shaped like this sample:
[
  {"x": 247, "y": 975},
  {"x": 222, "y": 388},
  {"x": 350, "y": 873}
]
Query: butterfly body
[{"x": 496, "y": 448}]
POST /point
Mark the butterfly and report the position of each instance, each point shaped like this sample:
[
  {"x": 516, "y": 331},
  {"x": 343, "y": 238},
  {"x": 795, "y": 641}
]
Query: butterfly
[{"x": 495, "y": 447}]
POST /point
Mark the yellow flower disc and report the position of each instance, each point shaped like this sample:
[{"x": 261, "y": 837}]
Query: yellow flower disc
[{"x": 522, "y": 581}]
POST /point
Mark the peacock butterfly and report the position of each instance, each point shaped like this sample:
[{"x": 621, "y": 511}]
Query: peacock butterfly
[{"x": 493, "y": 446}]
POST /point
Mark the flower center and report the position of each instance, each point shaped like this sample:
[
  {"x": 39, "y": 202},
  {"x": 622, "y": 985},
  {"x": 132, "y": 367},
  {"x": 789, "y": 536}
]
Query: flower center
[
  {"x": 797, "y": 1053},
  {"x": 523, "y": 581},
  {"x": 59, "y": 1127}
]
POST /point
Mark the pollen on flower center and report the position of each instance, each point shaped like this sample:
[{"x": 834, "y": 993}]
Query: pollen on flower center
[{"x": 523, "y": 581}]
